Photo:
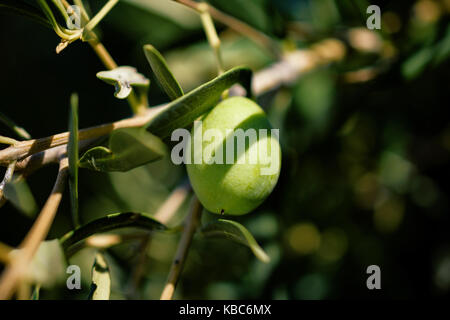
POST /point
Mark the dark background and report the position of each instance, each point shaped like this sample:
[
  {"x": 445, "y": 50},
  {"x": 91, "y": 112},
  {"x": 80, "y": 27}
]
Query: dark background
[{"x": 364, "y": 176}]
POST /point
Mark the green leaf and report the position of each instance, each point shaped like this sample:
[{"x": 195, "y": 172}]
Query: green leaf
[
  {"x": 443, "y": 48},
  {"x": 417, "y": 63},
  {"x": 35, "y": 293},
  {"x": 24, "y": 9},
  {"x": 165, "y": 77},
  {"x": 237, "y": 232},
  {"x": 108, "y": 223},
  {"x": 48, "y": 266},
  {"x": 124, "y": 79},
  {"x": 21, "y": 132},
  {"x": 128, "y": 148},
  {"x": 72, "y": 149},
  {"x": 101, "y": 279},
  {"x": 184, "y": 110},
  {"x": 19, "y": 194}
]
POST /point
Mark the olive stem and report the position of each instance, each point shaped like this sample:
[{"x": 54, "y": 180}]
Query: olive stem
[
  {"x": 192, "y": 221},
  {"x": 211, "y": 34},
  {"x": 238, "y": 26},
  {"x": 19, "y": 264}
]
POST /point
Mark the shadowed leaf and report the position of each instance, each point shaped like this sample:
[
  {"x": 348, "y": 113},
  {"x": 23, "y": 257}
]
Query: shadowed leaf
[
  {"x": 165, "y": 77},
  {"x": 19, "y": 194},
  {"x": 48, "y": 266},
  {"x": 128, "y": 148},
  {"x": 111, "y": 222},
  {"x": 72, "y": 149},
  {"x": 24, "y": 9}
]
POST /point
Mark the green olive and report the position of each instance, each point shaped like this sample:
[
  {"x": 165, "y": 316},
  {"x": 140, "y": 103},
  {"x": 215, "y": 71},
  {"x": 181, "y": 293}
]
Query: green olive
[{"x": 232, "y": 177}]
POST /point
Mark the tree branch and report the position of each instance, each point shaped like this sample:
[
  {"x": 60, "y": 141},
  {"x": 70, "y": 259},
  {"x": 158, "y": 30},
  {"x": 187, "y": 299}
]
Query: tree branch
[
  {"x": 289, "y": 69},
  {"x": 238, "y": 26},
  {"x": 27, "y": 148},
  {"x": 192, "y": 221}
]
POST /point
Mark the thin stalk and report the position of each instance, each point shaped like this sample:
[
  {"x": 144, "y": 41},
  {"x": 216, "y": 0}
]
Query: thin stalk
[
  {"x": 183, "y": 248},
  {"x": 211, "y": 34},
  {"x": 100, "y": 15},
  {"x": 238, "y": 26},
  {"x": 7, "y": 140}
]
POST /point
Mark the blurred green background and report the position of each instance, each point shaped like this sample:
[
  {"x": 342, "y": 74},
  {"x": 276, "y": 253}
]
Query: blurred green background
[{"x": 366, "y": 147}]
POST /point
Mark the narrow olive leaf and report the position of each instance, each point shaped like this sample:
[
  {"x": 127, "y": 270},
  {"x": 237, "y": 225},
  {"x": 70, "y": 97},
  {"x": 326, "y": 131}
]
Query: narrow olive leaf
[
  {"x": 109, "y": 223},
  {"x": 19, "y": 194},
  {"x": 128, "y": 148},
  {"x": 72, "y": 152},
  {"x": 183, "y": 111},
  {"x": 101, "y": 279},
  {"x": 24, "y": 9},
  {"x": 48, "y": 267},
  {"x": 124, "y": 79},
  {"x": 35, "y": 293},
  {"x": 159, "y": 66},
  {"x": 237, "y": 232},
  {"x": 21, "y": 132}
]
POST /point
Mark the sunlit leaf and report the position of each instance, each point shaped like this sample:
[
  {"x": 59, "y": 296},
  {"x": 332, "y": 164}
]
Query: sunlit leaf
[
  {"x": 123, "y": 79},
  {"x": 19, "y": 194},
  {"x": 234, "y": 231},
  {"x": 184, "y": 110},
  {"x": 162, "y": 72},
  {"x": 128, "y": 148},
  {"x": 72, "y": 149},
  {"x": 101, "y": 279}
]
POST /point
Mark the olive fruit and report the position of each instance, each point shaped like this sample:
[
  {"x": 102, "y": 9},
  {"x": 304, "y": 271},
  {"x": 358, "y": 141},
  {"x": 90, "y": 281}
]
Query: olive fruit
[{"x": 232, "y": 177}]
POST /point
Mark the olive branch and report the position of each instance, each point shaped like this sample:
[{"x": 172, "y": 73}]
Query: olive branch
[{"x": 22, "y": 158}]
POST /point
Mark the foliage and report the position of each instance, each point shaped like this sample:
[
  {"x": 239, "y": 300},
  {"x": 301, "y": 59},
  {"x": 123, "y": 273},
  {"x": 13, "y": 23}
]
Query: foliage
[{"x": 365, "y": 139}]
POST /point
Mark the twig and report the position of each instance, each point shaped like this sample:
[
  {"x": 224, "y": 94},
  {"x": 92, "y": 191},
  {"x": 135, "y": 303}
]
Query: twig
[
  {"x": 164, "y": 214},
  {"x": 183, "y": 247},
  {"x": 290, "y": 68},
  {"x": 5, "y": 251},
  {"x": 28, "y": 165},
  {"x": 238, "y": 26},
  {"x": 211, "y": 34},
  {"x": 7, "y": 140},
  {"x": 168, "y": 209},
  {"x": 297, "y": 63},
  {"x": 15, "y": 270},
  {"x": 26, "y": 148}
]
